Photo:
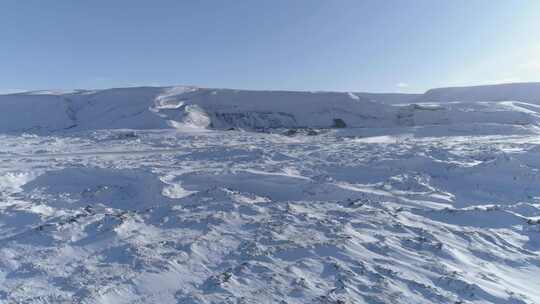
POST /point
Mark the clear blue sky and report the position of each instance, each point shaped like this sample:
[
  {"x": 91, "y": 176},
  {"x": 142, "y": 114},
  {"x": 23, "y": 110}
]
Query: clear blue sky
[{"x": 345, "y": 45}]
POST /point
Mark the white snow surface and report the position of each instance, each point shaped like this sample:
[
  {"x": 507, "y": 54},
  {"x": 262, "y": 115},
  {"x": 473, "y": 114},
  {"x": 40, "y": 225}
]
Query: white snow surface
[{"x": 145, "y": 195}]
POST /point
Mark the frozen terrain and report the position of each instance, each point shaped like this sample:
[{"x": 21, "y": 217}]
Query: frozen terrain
[{"x": 188, "y": 195}]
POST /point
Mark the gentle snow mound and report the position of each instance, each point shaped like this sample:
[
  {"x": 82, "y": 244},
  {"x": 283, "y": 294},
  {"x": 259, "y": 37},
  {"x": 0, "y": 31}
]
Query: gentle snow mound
[{"x": 117, "y": 188}]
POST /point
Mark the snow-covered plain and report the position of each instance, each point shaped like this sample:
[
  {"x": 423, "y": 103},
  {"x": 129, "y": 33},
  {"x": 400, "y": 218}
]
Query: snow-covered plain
[{"x": 186, "y": 195}]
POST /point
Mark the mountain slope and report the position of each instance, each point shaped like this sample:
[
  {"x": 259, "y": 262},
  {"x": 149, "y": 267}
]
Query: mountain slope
[
  {"x": 524, "y": 92},
  {"x": 181, "y": 107},
  {"x": 158, "y": 108}
]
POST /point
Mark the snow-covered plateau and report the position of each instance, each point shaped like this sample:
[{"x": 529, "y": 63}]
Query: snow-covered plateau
[{"x": 190, "y": 195}]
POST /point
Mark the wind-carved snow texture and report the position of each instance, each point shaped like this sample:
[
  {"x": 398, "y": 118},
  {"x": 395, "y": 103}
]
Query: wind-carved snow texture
[{"x": 439, "y": 205}]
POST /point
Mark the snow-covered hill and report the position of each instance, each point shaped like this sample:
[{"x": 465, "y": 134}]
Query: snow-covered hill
[
  {"x": 144, "y": 195},
  {"x": 390, "y": 98},
  {"x": 181, "y": 107},
  {"x": 158, "y": 108},
  {"x": 524, "y": 92}
]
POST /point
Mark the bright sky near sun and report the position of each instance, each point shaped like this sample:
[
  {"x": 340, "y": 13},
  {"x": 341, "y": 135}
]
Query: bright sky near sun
[{"x": 344, "y": 45}]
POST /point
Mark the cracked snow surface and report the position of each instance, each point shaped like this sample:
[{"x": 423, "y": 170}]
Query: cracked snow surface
[{"x": 427, "y": 214}]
